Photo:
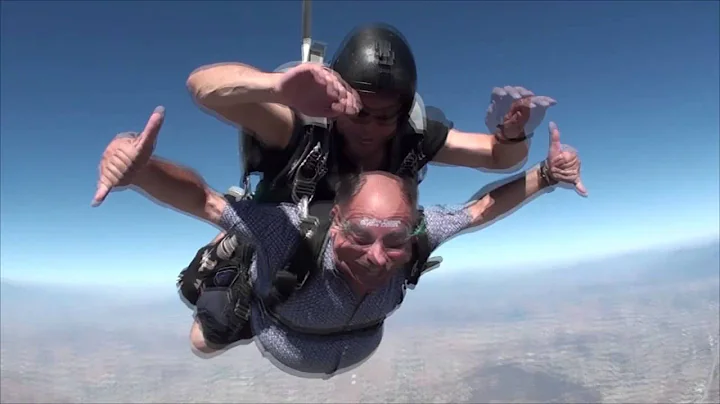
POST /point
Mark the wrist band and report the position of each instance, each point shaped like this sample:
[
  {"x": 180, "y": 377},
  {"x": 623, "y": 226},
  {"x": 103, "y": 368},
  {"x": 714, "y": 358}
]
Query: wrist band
[
  {"x": 545, "y": 174},
  {"x": 501, "y": 138}
]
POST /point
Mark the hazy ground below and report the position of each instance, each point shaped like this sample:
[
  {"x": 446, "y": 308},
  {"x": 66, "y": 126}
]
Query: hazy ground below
[{"x": 638, "y": 328}]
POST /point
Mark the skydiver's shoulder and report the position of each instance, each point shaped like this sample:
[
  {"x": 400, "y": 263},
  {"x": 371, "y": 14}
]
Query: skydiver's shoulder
[{"x": 445, "y": 221}]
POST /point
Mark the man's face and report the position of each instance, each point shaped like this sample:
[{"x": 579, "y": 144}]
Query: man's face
[
  {"x": 372, "y": 237},
  {"x": 366, "y": 133}
]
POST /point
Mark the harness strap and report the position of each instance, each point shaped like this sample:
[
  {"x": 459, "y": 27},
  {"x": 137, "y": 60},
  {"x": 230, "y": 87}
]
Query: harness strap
[
  {"x": 190, "y": 280},
  {"x": 335, "y": 331},
  {"x": 304, "y": 260},
  {"x": 297, "y": 156},
  {"x": 313, "y": 167},
  {"x": 421, "y": 256},
  {"x": 248, "y": 155},
  {"x": 240, "y": 291},
  {"x": 208, "y": 260}
]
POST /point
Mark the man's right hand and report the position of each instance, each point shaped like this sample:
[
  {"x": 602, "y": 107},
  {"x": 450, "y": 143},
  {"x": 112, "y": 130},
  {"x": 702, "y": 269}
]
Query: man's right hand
[
  {"x": 315, "y": 90},
  {"x": 126, "y": 155}
]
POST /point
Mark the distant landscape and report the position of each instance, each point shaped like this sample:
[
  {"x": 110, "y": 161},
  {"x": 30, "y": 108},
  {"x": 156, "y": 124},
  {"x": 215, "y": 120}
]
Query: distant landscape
[{"x": 639, "y": 328}]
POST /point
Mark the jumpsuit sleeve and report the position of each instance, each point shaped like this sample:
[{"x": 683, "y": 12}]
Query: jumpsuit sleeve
[{"x": 443, "y": 222}]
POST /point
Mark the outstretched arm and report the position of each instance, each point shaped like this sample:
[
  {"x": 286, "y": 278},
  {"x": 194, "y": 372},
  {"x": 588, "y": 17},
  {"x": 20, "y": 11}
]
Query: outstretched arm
[
  {"x": 183, "y": 189},
  {"x": 172, "y": 185},
  {"x": 126, "y": 162},
  {"x": 561, "y": 166},
  {"x": 497, "y": 200},
  {"x": 503, "y": 199}
]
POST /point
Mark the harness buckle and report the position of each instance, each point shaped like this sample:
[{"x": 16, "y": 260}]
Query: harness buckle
[
  {"x": 306, "y": 188},
  {"x": 308, "y": 225},
  {"x": 432, "y": 264},
  {"x": 315, "y": 164},
  {"x": 301, "y": 282}
]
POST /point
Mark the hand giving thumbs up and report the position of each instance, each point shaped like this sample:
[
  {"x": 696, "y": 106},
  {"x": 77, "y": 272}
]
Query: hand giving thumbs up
[
  {"x": 125, "y": 155},
  {"x": 563, "y": 162}
]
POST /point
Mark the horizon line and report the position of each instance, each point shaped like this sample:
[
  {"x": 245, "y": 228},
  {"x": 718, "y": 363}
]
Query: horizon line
[{"x": 698, "y": 242}]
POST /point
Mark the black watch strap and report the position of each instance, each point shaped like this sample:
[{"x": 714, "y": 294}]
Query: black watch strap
[{"x": 501, "y": 138}]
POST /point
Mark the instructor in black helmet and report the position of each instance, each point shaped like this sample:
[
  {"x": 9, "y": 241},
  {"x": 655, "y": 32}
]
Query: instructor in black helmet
[{"x": 367, "y": 95}]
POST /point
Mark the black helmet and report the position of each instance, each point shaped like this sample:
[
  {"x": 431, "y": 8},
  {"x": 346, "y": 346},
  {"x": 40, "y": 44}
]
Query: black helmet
[{"x": 377, "y": 59}]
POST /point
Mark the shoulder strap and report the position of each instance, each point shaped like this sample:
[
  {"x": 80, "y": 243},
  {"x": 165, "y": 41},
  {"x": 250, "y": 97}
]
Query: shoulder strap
[
  {"x": 312, "y": 166},
  {"x": 305, "y": 260},
  {"x": 301, "y": 171},
  {"x": 407, "y": 146},
  {"x": 418, "y": 114}
]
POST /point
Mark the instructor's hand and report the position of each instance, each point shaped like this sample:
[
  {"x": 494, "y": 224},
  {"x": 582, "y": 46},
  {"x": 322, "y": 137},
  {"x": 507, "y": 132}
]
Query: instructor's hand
[
  {"x": 518, "y": 109},
  {"x": 315, "y": 90}
]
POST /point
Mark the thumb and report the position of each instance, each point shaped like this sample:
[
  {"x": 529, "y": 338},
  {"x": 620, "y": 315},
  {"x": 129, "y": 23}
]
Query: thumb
[
  {"x": 152, "y": 127},
  {"x": 555, "y": 147},
  {"x": 580, "y": 188},
  {"x": 100, "y": 194}
]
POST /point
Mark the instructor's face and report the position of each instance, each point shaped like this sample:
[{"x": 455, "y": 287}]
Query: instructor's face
[{"x": 366, "y": 133}]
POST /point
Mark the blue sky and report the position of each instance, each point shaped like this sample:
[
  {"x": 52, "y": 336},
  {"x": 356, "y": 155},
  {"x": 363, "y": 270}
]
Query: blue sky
[{"x": 636, "y": 84}]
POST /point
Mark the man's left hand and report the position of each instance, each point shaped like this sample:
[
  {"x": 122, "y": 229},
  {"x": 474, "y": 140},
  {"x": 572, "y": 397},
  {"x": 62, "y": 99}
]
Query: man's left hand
[{"x": 518, "y": 109}]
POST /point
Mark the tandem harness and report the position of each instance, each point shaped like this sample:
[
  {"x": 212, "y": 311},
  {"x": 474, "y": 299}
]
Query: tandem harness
[{"x": 305, "y": 262}]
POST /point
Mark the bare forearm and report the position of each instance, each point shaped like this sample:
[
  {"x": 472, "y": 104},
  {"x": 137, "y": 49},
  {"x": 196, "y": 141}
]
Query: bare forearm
[
  {"x": 480, "y": 150},
  {"x": 181, "y": 188},
  {"x": 501, "y": 200},
  {"x": 226, "y": 84},
  {"x": 509, "y": 155}
]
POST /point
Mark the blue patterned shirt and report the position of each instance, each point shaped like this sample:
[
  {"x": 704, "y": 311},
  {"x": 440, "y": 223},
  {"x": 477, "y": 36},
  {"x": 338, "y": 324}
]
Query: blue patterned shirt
[{"x": 326, "y": 301}]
